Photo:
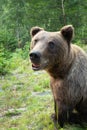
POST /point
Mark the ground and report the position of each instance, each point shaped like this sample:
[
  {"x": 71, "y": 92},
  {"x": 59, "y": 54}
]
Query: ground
[{"x": 26, "y": 101}]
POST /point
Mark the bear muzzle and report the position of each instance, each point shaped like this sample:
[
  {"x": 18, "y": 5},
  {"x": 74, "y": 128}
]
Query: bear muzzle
[{"x": 35, "y": 59}]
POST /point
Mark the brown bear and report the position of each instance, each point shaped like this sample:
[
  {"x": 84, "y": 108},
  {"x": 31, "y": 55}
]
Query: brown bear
[{"x": 66, "y": 64}]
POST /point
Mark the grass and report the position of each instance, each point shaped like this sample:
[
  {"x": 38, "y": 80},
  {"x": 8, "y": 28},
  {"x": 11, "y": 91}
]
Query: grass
[{"x": 26, "y": 101}]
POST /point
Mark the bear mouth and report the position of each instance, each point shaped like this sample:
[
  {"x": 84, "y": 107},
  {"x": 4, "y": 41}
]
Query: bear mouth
[{"x": 35, "y": 67}]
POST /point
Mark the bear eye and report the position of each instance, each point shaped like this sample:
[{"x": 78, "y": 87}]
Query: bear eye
[
  {"x": 35, "y": 41},
  {"x": 51, "y": 45}
]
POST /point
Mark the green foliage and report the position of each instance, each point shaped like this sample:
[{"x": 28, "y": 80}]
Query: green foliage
[
  {"x": 19, "y": 56},
  {"x": 7, "y": 39},
  {"x": 20, "y": 16},
  {"x": 10, "y": 61},
  {"x": 25, "y": 50},
  {"x": 76, "y": 14},
  {"x": 4, "y": 62}
]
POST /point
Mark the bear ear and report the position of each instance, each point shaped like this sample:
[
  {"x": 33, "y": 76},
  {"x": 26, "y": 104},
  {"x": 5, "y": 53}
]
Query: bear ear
[
  {"x": 67, "y": 32},
  {"x": 35, "y": 30}
]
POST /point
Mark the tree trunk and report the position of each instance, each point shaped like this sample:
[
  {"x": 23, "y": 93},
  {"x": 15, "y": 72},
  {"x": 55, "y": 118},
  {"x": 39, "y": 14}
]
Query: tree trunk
[{"x": 63, "y": 11}]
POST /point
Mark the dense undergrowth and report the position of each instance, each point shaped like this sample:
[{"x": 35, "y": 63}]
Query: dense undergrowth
[
  {"x": 9, "y": 60},
  {"x": 26, "y": 101}
]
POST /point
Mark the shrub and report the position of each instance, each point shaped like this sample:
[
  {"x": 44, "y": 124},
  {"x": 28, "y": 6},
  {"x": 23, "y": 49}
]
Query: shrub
[
  {"x": 25, "y": 51},
  {"x": 4, "y": 62},
  {"x": 12, "y": 60},
  {"x": 8, "y": 39}
]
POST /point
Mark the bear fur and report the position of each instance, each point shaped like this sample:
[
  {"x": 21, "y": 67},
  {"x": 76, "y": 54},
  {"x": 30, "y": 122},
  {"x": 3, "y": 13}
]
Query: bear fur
[{"x": 66, "y": 64}]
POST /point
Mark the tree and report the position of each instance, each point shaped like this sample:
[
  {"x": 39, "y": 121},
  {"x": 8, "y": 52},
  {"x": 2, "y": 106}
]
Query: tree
[{"x": 19, "y": 16}]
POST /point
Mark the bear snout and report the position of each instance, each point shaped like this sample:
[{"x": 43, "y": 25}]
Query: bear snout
[{"x": 35, "y": 57}]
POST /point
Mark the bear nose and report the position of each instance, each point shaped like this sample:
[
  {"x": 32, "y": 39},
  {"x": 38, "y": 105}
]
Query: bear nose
[{"x": 35, "y": 57}]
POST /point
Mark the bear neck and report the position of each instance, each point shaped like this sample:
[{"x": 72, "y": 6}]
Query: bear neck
[{"x": 60, "y": 71}]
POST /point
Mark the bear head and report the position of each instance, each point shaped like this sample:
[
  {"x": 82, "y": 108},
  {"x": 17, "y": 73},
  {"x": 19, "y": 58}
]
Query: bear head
[{"x": 50, "y": 49}]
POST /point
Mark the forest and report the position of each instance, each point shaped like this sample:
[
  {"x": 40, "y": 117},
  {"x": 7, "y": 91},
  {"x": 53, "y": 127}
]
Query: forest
[{"x": 19, "y": 93}]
